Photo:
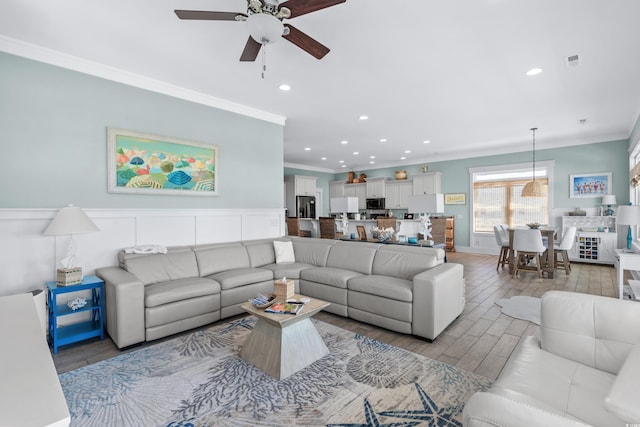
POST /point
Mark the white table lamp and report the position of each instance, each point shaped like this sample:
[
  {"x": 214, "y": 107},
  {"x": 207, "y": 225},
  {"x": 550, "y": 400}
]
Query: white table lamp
[
  {"x": 424, "y": 205},
  {"x": 628, "y": 215},
  {"x": 70, "y": 220}
]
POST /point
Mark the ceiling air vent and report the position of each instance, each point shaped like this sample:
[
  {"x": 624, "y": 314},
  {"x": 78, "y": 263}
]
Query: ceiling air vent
[{"x": 573, "y": 61}]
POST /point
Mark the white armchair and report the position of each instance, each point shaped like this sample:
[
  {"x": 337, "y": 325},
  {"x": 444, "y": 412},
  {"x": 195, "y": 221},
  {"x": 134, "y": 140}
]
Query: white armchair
[{"x": 584, "y": 371}]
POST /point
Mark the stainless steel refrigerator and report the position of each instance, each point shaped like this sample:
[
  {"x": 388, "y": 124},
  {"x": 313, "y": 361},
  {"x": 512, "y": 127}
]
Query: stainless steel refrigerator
[{"x": 305, "y": 206}]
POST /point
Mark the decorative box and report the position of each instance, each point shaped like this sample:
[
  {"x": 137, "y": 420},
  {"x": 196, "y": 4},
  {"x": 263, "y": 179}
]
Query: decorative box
[
  {"x": 69, "y": 276},
  {"x": 283, "y": 290}
]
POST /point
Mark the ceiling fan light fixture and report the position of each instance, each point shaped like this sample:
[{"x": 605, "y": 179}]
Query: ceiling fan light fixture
[
  {"x": 265, "y": 29},
  {"x": 283, "y": 13}
]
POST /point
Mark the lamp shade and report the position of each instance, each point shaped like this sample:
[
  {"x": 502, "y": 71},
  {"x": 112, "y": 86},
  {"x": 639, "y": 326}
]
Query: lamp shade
[
  {"x": 70, "y": 220},
  {"x": 609, "y": 199},
  {"x": 426, "y": 203},
  {"x": 628, "y": 215},
  {"x": 533, "y": 189}
]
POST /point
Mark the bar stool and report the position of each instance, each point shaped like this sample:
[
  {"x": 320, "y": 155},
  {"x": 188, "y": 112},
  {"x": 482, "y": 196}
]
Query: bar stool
[
  {"x": 528, "y": 244},
  {"x": 562, "y": 249}
]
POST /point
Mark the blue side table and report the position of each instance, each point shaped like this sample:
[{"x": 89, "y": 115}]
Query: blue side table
[{"x": 77, "y": 331}]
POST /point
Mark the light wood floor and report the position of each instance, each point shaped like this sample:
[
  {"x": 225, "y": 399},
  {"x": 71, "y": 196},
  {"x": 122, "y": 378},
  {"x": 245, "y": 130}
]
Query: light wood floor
[{"x": 480, "y": 340}]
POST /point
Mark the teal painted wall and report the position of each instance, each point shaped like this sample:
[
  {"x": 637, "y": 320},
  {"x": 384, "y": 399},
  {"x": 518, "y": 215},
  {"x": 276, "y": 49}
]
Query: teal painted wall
[
  {"x": 53, "y": 132},
  {"x": 601, "y": 157}
]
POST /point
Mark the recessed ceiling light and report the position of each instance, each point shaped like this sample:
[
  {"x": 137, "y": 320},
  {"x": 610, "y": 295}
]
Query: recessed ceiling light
[
  {"x": 341, "y": 161},
  {"x": 534, "y": 71},
  {"x": 372, "y": 157},
  {"x": 426, "y": 141},
  {"x": 307, "y": 149},
  {"x": 364, "y": 117},
  {"x": 355, "y": 153},
  {"x": 407, "y": 151},
  {"x": 284, "y": 87},
  {"x": 403, "y": 158},
  {"x": 383, "y": 139},
  {"x": 344, "y": 166},
  {"x": 344, "y": 142},
  {"x": 371, "y": 162},
  {"x": 323, "y": 158}
]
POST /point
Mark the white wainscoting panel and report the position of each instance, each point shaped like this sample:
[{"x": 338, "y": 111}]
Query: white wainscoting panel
[
  {"x": 28, "y": 258},
  {"x": 217, "y": 228}
]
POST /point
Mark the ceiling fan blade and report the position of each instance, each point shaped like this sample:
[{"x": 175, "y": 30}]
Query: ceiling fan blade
[
  {"x": 300, "y": 7},
  {"x": 205, "y": 15},
  {"x": 251, "y": 50},
  {"x": 306, "y": 43}
]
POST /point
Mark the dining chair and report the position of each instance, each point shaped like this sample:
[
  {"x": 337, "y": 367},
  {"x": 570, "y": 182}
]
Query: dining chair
[
  {"x": 528, "y": 245},
  {"x": 503, "y": 256},
  {"x": 562, "y": 249}
]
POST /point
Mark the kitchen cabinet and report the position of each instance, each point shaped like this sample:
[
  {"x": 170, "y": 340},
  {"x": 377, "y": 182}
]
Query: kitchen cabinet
[
  {"x": 304, "y": 185},
  {"x": 592, "y": 246},
  {"x": 376, "y": 188},
  {"x": 397, "y": 194},
  {"x": 427, "y": 183},
  {"x": 359, "y": 191},
  {"x": 336, "y": 189}
]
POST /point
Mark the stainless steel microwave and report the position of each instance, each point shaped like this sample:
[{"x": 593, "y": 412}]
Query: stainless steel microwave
[{"x": 375, "y": 203}]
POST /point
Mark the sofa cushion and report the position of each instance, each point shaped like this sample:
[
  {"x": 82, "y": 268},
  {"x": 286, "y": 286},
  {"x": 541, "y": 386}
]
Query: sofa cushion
[
  {"x": 241, "y": 276},
  {"x": 177, "y": 263},
  {"x": 557, "y": 384},
  {"x": 284, "y": 252},
  {"x": 179, "y": 289},
  {"x": 290, "y": 270},
  {"x": 352, "y": 256},
  {"x": 260, "y": 252},
  {"x": 216, "y": 258},
  {"x": 336, "y": 277},
  {"x": 383, "y": 286},
  {"x": 405, "y": 261},
  {"x": 312, "y": 251}
]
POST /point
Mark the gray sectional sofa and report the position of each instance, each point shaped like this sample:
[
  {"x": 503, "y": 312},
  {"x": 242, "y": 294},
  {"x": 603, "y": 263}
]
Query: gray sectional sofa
[{"x": 405, "y": 289}]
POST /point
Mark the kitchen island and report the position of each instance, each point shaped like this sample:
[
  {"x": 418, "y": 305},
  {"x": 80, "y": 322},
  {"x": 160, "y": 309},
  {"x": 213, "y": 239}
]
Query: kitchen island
[{"x": 406, "y": 227}]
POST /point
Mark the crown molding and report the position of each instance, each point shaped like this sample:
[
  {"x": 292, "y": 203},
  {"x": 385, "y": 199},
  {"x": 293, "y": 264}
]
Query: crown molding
[{"x": 70, "y": 62}]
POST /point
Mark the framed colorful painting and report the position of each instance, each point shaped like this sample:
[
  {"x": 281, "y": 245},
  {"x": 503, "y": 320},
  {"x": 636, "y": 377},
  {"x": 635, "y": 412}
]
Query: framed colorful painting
[
  {"x": 142, "y": 163},
  {"x": 589, "y": 185},
  {"x": 455, "y": 199}
]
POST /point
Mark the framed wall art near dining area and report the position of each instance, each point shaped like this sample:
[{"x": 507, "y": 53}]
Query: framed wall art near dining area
[
  {"x": 589, "y": 185},
  {"x": 143, "y": 163}
]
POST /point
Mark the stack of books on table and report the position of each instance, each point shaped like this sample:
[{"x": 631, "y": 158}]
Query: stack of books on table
[{"x": 285, "y": 308}]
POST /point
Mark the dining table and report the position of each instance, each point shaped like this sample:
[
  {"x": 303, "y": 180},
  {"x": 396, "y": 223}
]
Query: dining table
[{"x": 548, "y": 264}]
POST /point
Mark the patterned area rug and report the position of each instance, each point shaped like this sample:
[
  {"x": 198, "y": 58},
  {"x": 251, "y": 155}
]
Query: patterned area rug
[{"x": 199, "y": 380}]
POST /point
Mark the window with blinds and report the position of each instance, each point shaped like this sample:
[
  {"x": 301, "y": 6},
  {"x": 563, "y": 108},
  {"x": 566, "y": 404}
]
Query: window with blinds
[{"x": 496, "y": 200}]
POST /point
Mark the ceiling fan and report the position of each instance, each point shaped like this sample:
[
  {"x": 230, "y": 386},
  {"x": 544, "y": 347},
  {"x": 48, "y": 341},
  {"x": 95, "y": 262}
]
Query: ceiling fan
[{"x": 264, "y": 19}]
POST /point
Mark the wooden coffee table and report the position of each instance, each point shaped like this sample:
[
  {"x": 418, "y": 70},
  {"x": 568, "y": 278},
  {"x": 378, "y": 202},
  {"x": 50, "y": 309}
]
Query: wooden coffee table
[{"x": 283, "y": 344}]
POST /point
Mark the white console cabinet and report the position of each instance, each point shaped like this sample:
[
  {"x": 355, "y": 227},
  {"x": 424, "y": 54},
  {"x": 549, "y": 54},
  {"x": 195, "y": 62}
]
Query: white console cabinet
[{"x": 591, "y": 245}]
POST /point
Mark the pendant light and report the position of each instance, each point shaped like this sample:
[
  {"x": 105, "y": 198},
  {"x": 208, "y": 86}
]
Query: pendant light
[{"x": 533, "y": 188}]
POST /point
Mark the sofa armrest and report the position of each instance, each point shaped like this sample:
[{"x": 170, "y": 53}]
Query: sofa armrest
[
  {"x": 624, "y": 395},
  {"x": 485, "y": 409},
  {"x": 125, "y": 306},
  {"x": 438, "y": 298},
  {"x": 593, "y": 330}
]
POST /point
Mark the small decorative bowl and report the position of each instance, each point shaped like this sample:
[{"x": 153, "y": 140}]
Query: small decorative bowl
[
  {"x": 272, "y": 298},
  {"x": 534, "y": 225}
]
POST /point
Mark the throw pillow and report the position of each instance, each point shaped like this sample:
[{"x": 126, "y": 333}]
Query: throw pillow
[{"x": 284, "y": 251}]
